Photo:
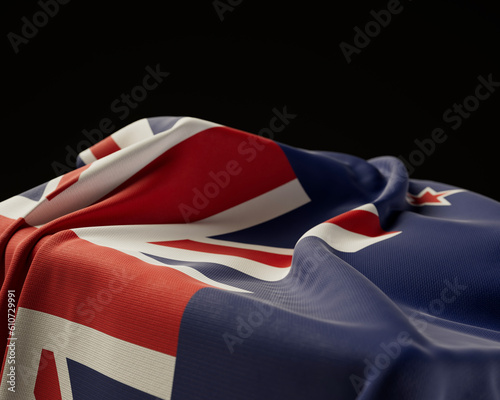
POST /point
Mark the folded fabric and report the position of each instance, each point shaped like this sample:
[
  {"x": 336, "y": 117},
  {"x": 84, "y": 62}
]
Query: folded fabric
[{"x": 188, "y": 260}]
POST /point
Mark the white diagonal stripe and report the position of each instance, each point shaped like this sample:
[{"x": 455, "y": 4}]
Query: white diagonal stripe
[
  {"x": 20, "y": 206},
  {"x": 252, "y": 268},
  {"x": 107, "y": 173},
  {"x": 133, "y": 133},
  {"x": 144, "y": 369}
]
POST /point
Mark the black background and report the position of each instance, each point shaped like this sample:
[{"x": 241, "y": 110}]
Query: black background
[{"x": 259, "y": 57}]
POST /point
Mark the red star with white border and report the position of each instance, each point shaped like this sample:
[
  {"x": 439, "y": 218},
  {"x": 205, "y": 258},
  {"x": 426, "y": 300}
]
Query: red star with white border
[{"x": 429, "y": 197}]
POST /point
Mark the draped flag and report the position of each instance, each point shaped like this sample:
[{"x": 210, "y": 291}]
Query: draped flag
[{"x": 183, "y": 259}]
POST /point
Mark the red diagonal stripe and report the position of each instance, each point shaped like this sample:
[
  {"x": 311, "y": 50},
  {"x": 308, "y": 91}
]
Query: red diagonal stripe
[
  {"x": 66, "y": 181},
  {"x": 47, "y": 381},
  {"x": 273, "y": 259},
  {"x": 104, "y": 147}
]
